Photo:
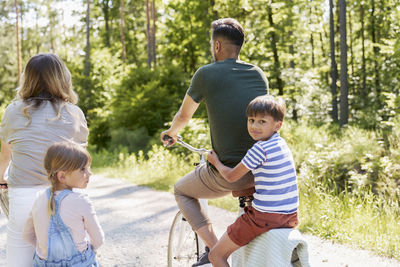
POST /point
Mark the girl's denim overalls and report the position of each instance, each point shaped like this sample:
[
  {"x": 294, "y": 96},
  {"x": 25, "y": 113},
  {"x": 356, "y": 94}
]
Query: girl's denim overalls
[{"x": 62, "y": 251}]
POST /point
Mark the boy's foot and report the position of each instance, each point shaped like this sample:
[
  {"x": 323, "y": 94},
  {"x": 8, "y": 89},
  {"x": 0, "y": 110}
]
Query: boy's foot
[{"x": 203, "y": 260}]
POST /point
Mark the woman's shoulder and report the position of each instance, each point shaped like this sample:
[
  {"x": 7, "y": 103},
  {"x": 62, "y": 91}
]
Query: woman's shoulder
[
  {"x": 15, "y": 105},
  {"x": 73, "y": 107}
]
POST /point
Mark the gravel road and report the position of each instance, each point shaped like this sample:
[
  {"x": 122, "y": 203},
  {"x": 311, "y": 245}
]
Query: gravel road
[{"x": 136, "y": 223}]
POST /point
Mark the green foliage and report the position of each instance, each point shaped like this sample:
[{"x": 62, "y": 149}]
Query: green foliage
[
  {"x": 355, "y": 161},
  {"x": 148, "y": 98},
  {"x": 187, "y": 34},
  {"x": 97, "y": 93},
  {"x": 8, "y": 63},
  {"x": 134, "y": 140},
  {"x": 363, "y": 221}
]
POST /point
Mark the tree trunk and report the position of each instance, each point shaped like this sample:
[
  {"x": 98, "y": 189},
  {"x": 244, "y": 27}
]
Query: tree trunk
[
  {"x": 18, "y": 40},
  {"x": 344, "y": 107},
  {"x": 37, "y": 41},
  {"x": 122, "y": 11},
  {"x": 153, "y": 31},
  {"x": 351, "y": 46},
  {"x": 21, "y": 32},
  {"x": 376, "y": 52},
  {"x": 325, "y": 74},
  {"x": 279, "y": 82},
  {"x": 312, "y": 41},
  {"x": 333, "y": 64},
  {"x": 51, "y": 26},
  {"x": 106, "y": 12},
  {"x": 148, "y": 34},
  {"x": 87, "y": 58},
  {"x": 292, "y": 64},
  {"x": 364, "y": 92}
]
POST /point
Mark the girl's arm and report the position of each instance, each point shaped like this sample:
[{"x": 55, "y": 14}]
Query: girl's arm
[
  {"x": 92, "y": 225},
  {"x": 29, "y": 234},
  {"x": 230, "y": 174}
]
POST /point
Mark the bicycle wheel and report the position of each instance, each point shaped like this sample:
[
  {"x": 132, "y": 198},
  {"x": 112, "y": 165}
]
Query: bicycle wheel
[{"x": 183, "y": 243}]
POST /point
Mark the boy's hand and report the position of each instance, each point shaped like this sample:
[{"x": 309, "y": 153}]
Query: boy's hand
[{"x": 212, "y": 157}]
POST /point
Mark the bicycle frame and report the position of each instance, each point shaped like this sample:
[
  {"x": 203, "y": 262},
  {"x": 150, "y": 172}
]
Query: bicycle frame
[{"x": 184, "y": 246}]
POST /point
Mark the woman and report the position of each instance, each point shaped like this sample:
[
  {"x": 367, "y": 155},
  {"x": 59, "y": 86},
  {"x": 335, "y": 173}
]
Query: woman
[{"x": 43, "y": 113}]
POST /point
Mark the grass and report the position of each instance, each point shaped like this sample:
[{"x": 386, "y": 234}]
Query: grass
[{"x": 364, "y": 222}]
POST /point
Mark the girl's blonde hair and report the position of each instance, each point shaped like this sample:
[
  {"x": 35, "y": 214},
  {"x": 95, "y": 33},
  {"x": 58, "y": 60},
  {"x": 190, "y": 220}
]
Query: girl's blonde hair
[
  {"x": 63, "y": 156},
  {"x": 46, "y": 77}
]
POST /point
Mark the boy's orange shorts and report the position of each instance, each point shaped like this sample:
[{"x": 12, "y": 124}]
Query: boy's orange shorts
[{"x": 253, "y": 223}]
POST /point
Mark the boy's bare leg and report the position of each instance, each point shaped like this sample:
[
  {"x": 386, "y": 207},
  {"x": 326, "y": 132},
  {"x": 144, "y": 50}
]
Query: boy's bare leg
[
  {"x": 220, "y": 253},
  {"x": 207, "y": 234}
]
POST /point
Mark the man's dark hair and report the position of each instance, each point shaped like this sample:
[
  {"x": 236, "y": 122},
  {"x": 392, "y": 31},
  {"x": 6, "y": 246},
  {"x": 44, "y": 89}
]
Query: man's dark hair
[
  {"x": 228, "y": 28},
  {"x": 267, "y": 104}
]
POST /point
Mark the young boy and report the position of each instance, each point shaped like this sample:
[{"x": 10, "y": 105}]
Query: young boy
[{"x": 276, "y": 198}]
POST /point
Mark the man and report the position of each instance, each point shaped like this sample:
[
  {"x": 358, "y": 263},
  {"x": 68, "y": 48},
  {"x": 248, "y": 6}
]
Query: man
[{"x": 227, "y": 86}]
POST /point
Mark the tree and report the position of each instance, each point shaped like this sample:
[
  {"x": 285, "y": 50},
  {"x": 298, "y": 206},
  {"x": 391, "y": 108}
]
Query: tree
[
  {"x": 18, "y": 38},
  {"x": 273, "y": 39},
  {"x": 334, "y": 72},
  {"x": 51, "y": 14},
  {"x": 344, "y": 107},
  {"x": 151, "y": 32},
  {"x": 364, "y": 91},
  {"x": 105, "y": 6},
  {"x": 149, "y": 49},
  {"x": 122, "y": 11},
  {"x": 87, "y": 57}
]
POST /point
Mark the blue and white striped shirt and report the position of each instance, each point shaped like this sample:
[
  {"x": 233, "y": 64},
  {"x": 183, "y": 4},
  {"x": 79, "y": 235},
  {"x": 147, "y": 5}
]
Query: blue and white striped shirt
[{"x": 274, "y": 176}]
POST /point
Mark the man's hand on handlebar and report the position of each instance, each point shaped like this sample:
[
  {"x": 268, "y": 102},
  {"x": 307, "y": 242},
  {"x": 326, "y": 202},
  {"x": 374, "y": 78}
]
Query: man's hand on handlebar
[{"x": 168, "y": 139}]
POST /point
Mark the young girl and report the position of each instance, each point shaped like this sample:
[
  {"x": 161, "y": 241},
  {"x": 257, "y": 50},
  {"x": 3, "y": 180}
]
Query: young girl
[{"x": 60, "y": 218}]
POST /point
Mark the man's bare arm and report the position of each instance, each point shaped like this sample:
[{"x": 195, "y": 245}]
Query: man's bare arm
[{"x": 181, "y": 118}]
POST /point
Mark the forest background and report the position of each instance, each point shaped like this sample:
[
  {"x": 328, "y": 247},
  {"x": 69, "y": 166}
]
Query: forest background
[{"x": 336, "y": 63}]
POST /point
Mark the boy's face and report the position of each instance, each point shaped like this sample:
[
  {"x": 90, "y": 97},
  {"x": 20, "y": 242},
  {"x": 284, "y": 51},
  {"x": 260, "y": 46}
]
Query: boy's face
[{"x": 262, "y": 126}]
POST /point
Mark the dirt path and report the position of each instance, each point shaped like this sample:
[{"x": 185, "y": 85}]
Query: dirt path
[{"x": 136, "y": 222}]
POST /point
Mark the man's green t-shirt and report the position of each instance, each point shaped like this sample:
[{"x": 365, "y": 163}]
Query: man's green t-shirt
[{"x": 227, "y": 87}]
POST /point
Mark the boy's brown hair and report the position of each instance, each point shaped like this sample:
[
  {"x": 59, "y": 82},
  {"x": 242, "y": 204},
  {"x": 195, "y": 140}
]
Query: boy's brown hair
[{"x": 267, "y": 104}]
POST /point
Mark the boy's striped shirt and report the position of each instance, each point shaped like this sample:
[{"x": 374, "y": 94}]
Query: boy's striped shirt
[{"x": 274, "y": 176}]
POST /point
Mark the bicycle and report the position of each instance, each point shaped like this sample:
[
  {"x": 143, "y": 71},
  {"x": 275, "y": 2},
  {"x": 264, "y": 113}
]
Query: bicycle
[{"x": 185, "y": 247}]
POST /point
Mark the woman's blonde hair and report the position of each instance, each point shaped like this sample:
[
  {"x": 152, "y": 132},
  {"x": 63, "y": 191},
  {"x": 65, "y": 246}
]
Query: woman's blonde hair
[
  {"x": 46, "y": 77},
  {"x": 63, "y": 156}
]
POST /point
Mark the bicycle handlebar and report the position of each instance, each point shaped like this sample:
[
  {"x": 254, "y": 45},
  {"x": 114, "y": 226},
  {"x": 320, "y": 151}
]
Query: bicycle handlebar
[{"x": 200, "y": 151}]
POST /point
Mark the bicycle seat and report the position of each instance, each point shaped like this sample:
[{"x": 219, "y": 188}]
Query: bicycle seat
[{"x": 244, "y": 192}]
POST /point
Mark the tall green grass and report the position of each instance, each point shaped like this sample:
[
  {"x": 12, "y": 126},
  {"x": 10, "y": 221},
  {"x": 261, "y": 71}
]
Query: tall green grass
[{"x": 348, "y": 182}]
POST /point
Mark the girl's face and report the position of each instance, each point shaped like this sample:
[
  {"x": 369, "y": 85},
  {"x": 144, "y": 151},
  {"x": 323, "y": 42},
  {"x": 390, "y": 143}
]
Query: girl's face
[
  {"x": 76, "y": 179},
  {"x": 262, "y": 126}
]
